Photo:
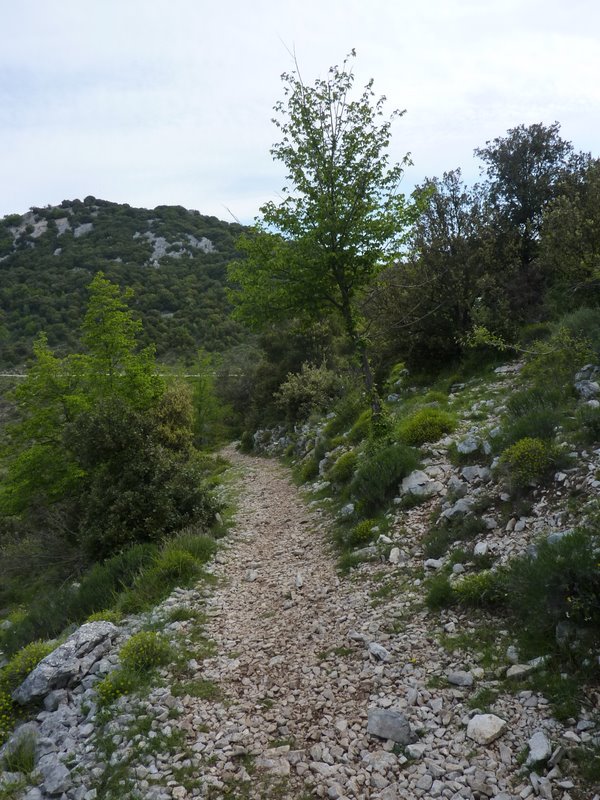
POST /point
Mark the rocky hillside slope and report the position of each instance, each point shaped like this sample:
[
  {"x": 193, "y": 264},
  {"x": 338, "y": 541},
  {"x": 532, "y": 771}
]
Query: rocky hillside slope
[{"x": 174, "y": 260}]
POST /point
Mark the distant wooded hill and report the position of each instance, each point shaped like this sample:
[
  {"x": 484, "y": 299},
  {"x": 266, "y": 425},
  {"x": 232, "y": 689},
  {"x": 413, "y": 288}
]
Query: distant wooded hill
[{"x": 173, "y": 259}]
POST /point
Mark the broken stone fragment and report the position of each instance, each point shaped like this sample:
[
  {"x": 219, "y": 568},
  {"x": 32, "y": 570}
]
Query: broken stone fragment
[
  {"x": 461, "y": 678},
  {"x": 379, "y": 652},
  {"x": 540, "y": 748},
  {"x": 485, "y": 728},
  {"x": 389, "y": 724}
]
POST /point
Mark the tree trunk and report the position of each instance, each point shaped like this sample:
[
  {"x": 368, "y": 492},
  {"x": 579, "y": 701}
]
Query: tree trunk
[{"x": 359, "y": 350}]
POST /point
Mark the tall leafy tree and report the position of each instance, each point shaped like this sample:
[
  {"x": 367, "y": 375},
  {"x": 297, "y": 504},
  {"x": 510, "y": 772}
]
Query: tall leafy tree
[
  {"x": 524, "y": 171},
  {"x": 342, "y": 216},
  {"x": 570, "y": 240},
  {"x": 423, "y": 302}
]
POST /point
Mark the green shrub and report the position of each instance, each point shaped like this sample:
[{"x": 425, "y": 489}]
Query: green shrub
[
  {"x": 116, "y": 684},
  {"x": 311, "y": 389},
  {"x": 53, "y": 609},
  {"x": 362, "y": 533},
  {"x": 562, "y": 583},
  {"x": 104, "y": 582},
  {"x": 47, "y": 615},
  {"x": 349, "y": 560},
  {"x": 360, "y": 429},
  {"x": 480, "y": 590},
  {"x": 588, "y": 420},
  {"x": 459, "y": 528},
  {"x": 556, "y": 361},
  {"x": 426, "y": 425},
  {"x": 527, "y": 461},
  {"x": 144, "y": 651},
  {"x": 22, "y": 663},
  {"x": 379, "y": 474},
  {"x": 200, "y": 546},
  {"x": 246, "y": 442},
  {"x": 440, "y": 593},
  {"x": 7, "y": 715},
  {"x": 309, "y": 470},
  {"x": 171, "y": 568},
  {"x": 343, "y": 469},
  {"x": 205, "y": 690},
  {"x": 584, "y": 323},
  {"x": 347, "y": 409},
  {"x": 533, "y": 413},
  {"x": 156, "y": 494},
  {"x": 435, "y": 396},
  {"x": 20, "y": 757},
  {"x": 536, "y": 331},
  {"x": 105, "y": 616}
]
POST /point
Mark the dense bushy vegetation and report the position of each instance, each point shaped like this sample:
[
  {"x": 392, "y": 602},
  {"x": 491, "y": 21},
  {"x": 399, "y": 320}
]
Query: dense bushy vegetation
[{"x": 99, "y": 468}]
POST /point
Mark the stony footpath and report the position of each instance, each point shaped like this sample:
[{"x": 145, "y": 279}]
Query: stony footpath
[{"x": 314, "y": 685}]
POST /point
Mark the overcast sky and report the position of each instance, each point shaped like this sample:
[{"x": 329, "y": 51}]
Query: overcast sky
[{"x": 170, "y": 101}]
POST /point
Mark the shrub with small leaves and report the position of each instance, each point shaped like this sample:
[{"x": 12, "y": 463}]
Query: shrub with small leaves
[
  {"x": 309, "y": 470},
  {"x": 440, "y": 593},
  {"x": 7, "y": 717},
  {"x": 426, "y": 425},
  {"x": 362, "y": 534},
  {"x": 116, "y": 684},
  {"x": 379, "y": 474},
  {"x": 173, "y": 567},
  {"x": 105, "y": 616},
  {"x": 360, "y": 429},
  {"x": 588, "y": 419},
  {"x": 20, "y": 756},
  {"x": 311, "y": 389},
  {"x": 533, "y": 412},
  {"x": 527, "y": 461},
  {"x": 246, "y": 442},
  {"x": 480, "y": 590},
  {"x": 198, "y": 545},
  {"x": 144, "y": 651},
  {"x": 22, "y": 663},
  {"x": 343, "y": 469}
]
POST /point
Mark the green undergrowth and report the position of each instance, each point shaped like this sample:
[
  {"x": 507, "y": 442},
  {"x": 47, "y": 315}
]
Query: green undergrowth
[
  {"x": 11, "y": 676},
  {"x": 425, "y": 425},
  {"x": 550, "y": 601},
  {"x": 117, "y": 779},
  {"x": 132, "y": 581},
  {"x": 442, "y": 534},
  {"x": 379, "y": 473},
  {"x": 141, "y": 658},
  {"x": 141, "y": 654}
]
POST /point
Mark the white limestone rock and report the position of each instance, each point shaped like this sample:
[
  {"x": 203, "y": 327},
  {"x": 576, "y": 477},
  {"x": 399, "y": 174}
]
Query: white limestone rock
[{"x": 485, "y": 728}]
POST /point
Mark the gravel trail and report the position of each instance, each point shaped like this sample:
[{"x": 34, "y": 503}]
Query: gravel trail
[{"x": 302, "y": 655}]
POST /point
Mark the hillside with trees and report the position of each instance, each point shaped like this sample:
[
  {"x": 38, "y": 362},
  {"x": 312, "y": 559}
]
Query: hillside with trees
[{"x": 172, "y": 258}]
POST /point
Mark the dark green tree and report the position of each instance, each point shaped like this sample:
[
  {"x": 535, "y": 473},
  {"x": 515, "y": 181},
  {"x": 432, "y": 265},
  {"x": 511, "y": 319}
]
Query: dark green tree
[
  {"x": 342, "y": 217},
  {"x": 570, "y": 240},
  {"x": 524, "y": 172}
]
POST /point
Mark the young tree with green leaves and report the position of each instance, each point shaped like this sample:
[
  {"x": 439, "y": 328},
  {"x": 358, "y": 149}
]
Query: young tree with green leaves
[
  {"x": 342, "y": 217},
  {"x": 103, "y": 440}
]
